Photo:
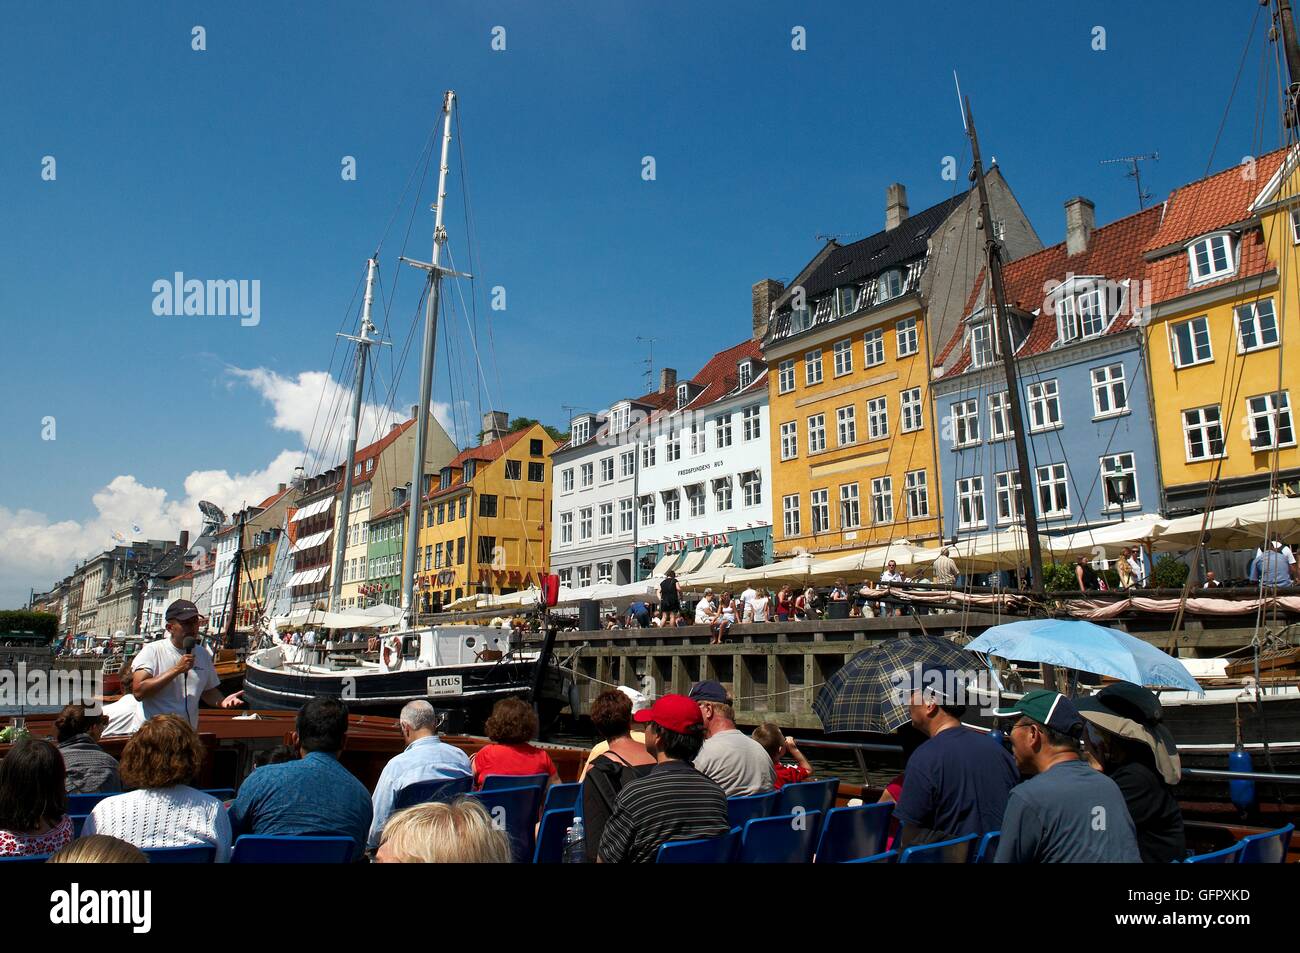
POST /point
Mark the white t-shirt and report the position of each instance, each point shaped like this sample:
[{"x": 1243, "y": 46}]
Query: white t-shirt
[
  {"x": 180, "y": 696},
  {"x": 749, "y": 595},
  {"x": 760, "y": 608},
  {"x": 704, "y": 612},
  {"x": 125, "y": 716}
]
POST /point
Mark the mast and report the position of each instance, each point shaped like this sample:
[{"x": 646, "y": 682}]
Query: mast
[
  {"x": 416, "y": 492},
  {"x": 1291, "y": 50},
  {"x": 228, "y": 637},
  {"x": 364, "y": 342},
  {"x": 1001, "y": 321}
]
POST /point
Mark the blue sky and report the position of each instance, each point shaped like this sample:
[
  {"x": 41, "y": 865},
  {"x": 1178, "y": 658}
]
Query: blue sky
[{"x": 225, "y": 163}]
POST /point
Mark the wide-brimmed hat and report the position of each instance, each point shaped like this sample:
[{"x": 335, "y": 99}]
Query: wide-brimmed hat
[{"x": 1133, "y": 712}]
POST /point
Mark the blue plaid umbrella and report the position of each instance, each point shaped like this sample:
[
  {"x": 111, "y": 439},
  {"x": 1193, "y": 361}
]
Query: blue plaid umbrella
[{"x": 864, "y": 696}]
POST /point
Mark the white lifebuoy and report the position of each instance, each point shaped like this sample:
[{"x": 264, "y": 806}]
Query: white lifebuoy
[{"x": 391, "y": 653}]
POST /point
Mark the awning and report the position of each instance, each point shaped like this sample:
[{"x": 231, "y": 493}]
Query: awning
[
  {"x": 665, "y": 564},
  {"x": 312, "y": 541},
  {"x": 691, "y": 562},
  {"x": 313, "y": 509},
  {"x": 716, "y": 558},
  {"x": 308, "y": 576}
]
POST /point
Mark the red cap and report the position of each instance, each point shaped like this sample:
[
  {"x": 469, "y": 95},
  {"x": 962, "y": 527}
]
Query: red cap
[{"x": 674, "y": 712}]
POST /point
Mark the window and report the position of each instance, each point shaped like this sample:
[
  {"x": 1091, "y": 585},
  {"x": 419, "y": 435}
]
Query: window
[
  {"x": 672, "y": 506},
  {"x": 1009, "y": 501},
  {"x": 464, "y": 503},
  {"x": 1044, "y": 406},
  {"x": 647, "y": 456},
  {"x": 999, "y": 416},
  {"x": 1189, "y": 342},
  {"x": 1256, "y": 326},
  {"x": 1203, "y": 431},
  {"x": 1053, "y": 492},
  {"x": 1120, "y": 465},
  {"x": 1109, "y": 392},
  {"x": 790, "y": 515},
  {"x": 628, "y": 463},
  {"x": 789, "y": 440},
  {"x": 800, "y": 319},
  {"x": 674, "y": 446},
  {"x": 428, "y": 516},
  {"x": 584, "y": 523},
  {"x": 1295, "y": 226},
  {"x": 722, "y": 431},
  {"x": 487, "y": 549},
  {"x": 722, "y": 494},
  {"x": 882, "y": 500},
  {"x": 850, "y": 514},
  {"x": 695, "y": 496},
  {"x": 847, "y": 427},
  {"x": 847, "y": 299},
  {"x": 889, "y": 285},
  {"x": 698, "y": 436},
  {"x": 534, "y": 448},
  {"x": 514, "y": 469},
  {"x": 821, "y": 511},
  {"x": 812, "y": 367},
  {"x": 751, "y": 423},
  {"x": 966, "y": 423},
  {"x": 607, "y": 519},
  {"x": 428, "y": 557},
  {"x": 1211, "y": 257},
  {"x": 877, "y": 417},
  {"x": 909, "y": 405},
  {"x": 588, "y": 474},
  {"x": 683, "y": 396},
  {"x": 566, "y": 528},
  {"x": 907, "y": 340},
  {"x": 918, "y": 494},
  {"x": 873, "y": 343},
  {"x": 744, "y": 374},
  {"x": 816, "y": 433},
  {"x": 1270, "y": 421},
  {"x": 619, "y": 418},
  {"x": 1092, "y": 312},
  {"x": 648, "y": 510},
  {"x": 970, "y": 503},
  {"x": 584, "y": 576},
  {"x": 981, "y": 345},
  {"x": 604, "y": 572},
  {"x": 566, "y": 576},
  {"x": 785, "y": 377},
  {"x": 843, "y": 357},
  {"x": 439, "y": 511},
  {"x": 487, "y": 504},
  {"x": 581, "y": 431},
  {"x": 607, "y": 470},
  {"x": 536, "y": 472},
  {"x": 566, "y": 480},
  {"x": 751, "y": 488}
]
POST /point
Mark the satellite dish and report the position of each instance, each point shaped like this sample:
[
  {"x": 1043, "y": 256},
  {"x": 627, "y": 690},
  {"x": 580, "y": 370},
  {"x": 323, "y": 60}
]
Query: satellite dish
[{"x": 211, "y": 512}]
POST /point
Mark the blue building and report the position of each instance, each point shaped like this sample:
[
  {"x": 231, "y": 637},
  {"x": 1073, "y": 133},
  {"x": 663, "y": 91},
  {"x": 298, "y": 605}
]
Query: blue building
[{"x": 1076, "y": 312}]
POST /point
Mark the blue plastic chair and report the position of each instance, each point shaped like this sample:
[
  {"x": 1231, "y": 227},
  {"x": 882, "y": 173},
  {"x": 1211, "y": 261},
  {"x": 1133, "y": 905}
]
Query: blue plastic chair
[
  {"x": 78, "y": 822},
  {"x": 1269, "y": 848},
  {"x": 958, "y": 850},
  {"x": 85, "y": 803},
  {"x": 988, "y": 848},
  {"x": 747, "y": 807},
  {"x": 291, "y": 849},
  {"x": 809, "y": 795},
  {"x": 1228, "y": 855},
  {"x": 888, "y": 857},
  {"x": 560, "y": 796},
  {"x": 517, "y": 808},
  {"x": 853, "y": 832},
  {"x": 784, "y": 839},
  {"x": 704, "y": 850},
  {"x": 550, "y": 836},
  {"x": 194, "y": 854},
  {"x": 221, "y": 794},
  {"x": 425, "y": 792},
  {"x": 25, "y": 859},
  {"x": 492, "y": 782}
]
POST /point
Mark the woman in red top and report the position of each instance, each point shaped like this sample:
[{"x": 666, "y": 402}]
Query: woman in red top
[
  {"x": 33, "y": 800},
  {"x": 784, "y": 606},
  {"x": 512, "y": 725}
]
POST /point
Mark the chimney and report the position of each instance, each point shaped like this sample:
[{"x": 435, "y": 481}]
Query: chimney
[
  {"x": 414, "y": 408},
  {"x": 1080, "y": 219},
  {"x": 393, "y": 426},
  {"x": 667, "y": 380},
  {"x": 895, "y": 205},
  {"x": 282, "y": 487},
  {"x": 765, "y": 292},
  {"x": 184, "y": 541},
  {"x": 494, "y": 426}
]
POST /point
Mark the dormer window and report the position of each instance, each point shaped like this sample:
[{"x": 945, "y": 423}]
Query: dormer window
[
  {"x": 846, "y": 300},
  {"x": 619, "y": 418},
  {"x": 469, "y": 470},
  {"x": 581, "y": 431},
  {"x": 744, "y": 374},
  {"x": 800, "y": 319},
  {"x": 889, "y": 285},
  {"x": 1081, "y": 310},
  {"x": 444, "y": 478},
  {"x": 683, "y": 395},
  {"x": 1211, "y": 257},
  {"x": 982, "y": 349}
]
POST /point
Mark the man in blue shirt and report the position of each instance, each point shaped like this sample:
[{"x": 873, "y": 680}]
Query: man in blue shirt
[
  {"x": 958, "y": 781},
  {"x": 312, "y": 796},
  {"x": 426, "y": 758},
  {"x": 1270, "y": 566}
]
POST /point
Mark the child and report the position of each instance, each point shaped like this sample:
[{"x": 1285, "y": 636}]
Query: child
[{"x": 775, "y": 743}]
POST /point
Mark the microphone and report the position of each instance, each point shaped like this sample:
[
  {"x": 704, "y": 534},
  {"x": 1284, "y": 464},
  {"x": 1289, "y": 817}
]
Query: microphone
[{"x": 188, "y": 645}]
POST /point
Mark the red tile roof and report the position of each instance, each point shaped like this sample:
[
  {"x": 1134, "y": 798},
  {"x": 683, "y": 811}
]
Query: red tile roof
[
  {"x": 718, "y": 378},
  {"x": 488, "y": 453},
  {"x": 273, "y": 498},
  {"x": 1114, "y": 252}
]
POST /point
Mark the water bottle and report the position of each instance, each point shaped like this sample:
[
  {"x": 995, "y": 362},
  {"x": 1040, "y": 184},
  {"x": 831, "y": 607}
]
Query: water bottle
[{"x": 575, "y": 843}]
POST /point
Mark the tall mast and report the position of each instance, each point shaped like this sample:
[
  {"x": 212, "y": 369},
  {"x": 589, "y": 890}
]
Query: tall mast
[
  {"x": 1002, "y": 322},
  {"x": 364, "y": 342},
  {"x": 416, "y": 493},
  {"x": 228, "y": 637}
]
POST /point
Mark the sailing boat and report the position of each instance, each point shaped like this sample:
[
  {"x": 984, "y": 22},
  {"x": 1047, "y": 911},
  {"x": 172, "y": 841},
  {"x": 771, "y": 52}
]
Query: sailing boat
[{"x": 462, "y": 670}]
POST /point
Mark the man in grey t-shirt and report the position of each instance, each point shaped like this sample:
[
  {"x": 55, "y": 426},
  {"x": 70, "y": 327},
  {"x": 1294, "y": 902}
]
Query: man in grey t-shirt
[{"x": 733, "y": 759}]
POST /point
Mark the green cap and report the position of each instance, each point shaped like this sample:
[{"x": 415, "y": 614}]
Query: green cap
[{"x": 1047, "y": 708}]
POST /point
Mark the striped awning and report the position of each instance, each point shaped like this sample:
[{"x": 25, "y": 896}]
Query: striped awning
[
  {"x": 312, "y": 541},
  {"x": 665, "y": 564},
  {"x": 691, "y": 562},
  {"x": 309, "y": 576},
  {"x": 717, "y": 558},
  {"x": 313, "y": 509}
]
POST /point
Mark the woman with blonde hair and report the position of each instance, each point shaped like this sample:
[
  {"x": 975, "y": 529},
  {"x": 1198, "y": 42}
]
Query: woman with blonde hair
[
  {"x": 436, "y": 833},
  {"x": 99, "y": 849}
]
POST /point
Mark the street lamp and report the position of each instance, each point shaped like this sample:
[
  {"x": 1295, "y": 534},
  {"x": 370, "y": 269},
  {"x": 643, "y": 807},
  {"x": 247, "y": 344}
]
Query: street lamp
[{"x": 1121, "y": 490}]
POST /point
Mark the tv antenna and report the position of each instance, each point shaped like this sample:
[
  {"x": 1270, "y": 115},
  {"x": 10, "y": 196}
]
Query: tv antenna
[
  {"x": 833, "y": 236},
  {"x": 649, "y": 362},
  {"x": 1135, "y": 172}
]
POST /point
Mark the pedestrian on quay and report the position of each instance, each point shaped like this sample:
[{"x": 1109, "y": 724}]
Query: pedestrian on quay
[
  {"x": 1066, "y": 813},
  {"x": 761, "y": 606},
  {"x": 1125, "y": 569},
  {"x": 1086, "y": 576},
  {"x": 784, "y": 605},
  {"x": 638, "y": 613},
  {"x": 706, "y": 612},
  {"x": 728, "y": 756},
  {"x": 669, "y": 598},
  {"x": 725, "y": 619}
]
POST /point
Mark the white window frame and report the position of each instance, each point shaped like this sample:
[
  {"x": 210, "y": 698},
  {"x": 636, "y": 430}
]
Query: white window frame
[
  {"x": 790, "y": 515},
  {"x": 1250, "y": 313},
  {"x": 744, "y": 374},
  {"x": 751, "y": 489},
  {"x": 907, "y": 339},
  {"x": 1267, "y": 409},
  {"x": 1000, "y": 416},
  {"x": 846, "y": 300},
  {"x": 672, "y": 505},
  {"x": 789, "y": 440},
  {"x": 846, "y": 426},
  {"x": 627, "y": 463},
  {"x": 699, "y": 437},
  {"x": 588, "y": 475},
  {"x": 812, "y": 367},
  {"x": 889, "y": 285},
  {"x": 1112, "y": 464},
  {"x": 1007, "y": 493},
  {"x": 722, "y": 432},
  {"x": 673, "y": 446},
  {"x": 626, "y": 515},
  {"x": 971, "y": 512},
  {"x": 1052, "y": 481},
  {"x": 877, "y": 418},
  {"x": 1104, "y": 380},
  {"x": 850, "y": 507},
  {"x": 882, "y": 500},
  {"x": 1229, "y": 246},
  {"x": 1044, "y": 399},
  {"x": 966, "y": 420},
  {"x": 983, "y": 346},
  {"x": 606, "y": 470},
  {"x": 873, "y": 347},
  {"x": 842, "y": 357},
  {"x": 916, "y": 487},
  {"x": 910, "y": 410},
  {"x": 722, "y": 494},
  {"x": 566, "y": 480},
  {"x": 647, "y": 456},
  {"x": 816, "y": 433},
  {"x": 1205, "y": 426},
  {"x": 751, "y": 423},
  {"x": 647, "y": 507},
  {"x": 785, "y": 377},
  {"x": 605, "y": 527},
  {"x": 820, "y": 510},
  {"x": 697, "y": 500},
  {"x": 1198, "y": 328},
  {"x": 585, "y": 523}
]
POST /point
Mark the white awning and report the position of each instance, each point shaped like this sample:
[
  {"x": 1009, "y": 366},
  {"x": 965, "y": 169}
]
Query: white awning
[
  {"x": 716, "y": 558},
  {"x": 691, "y": 562},
  {"x": 312, "y": 509},
  {"x": 664, "y": 565},
  {"x": 309, "y": 576},
  {"x": 312, "y": 541}
]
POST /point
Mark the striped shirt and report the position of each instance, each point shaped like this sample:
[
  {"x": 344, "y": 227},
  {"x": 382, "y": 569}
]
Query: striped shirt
[{"x": 672, "y": 802}]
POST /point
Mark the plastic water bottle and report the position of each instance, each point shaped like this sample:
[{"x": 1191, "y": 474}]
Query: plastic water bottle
[{"x": 575, "y": 843}]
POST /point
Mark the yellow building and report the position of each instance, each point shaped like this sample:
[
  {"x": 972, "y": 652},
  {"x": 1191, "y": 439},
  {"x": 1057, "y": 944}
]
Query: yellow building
[
  {"x": 1223, "y": 303},
  {"x": 484, "y": 522},
  {"x": 848, "y": 347}
]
